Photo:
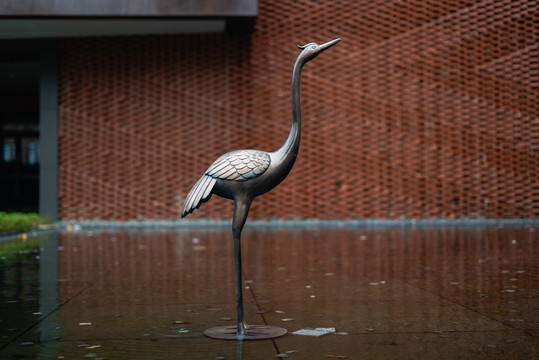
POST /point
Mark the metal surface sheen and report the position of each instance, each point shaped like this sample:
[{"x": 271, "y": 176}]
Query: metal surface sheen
[{"x": 243, "y": 175}]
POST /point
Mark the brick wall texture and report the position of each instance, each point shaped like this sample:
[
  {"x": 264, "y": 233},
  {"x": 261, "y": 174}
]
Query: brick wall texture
[{"x": 426, "y": 109}]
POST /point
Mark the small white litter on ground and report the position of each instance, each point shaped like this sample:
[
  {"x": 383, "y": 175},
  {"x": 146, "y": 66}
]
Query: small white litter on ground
[{"x": 314, "y": 332}]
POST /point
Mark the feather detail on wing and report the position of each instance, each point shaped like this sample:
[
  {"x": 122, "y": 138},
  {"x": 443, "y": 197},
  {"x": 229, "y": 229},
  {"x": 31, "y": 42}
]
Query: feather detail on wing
[
  {"x": 240, "y": 165},
  {"x": 200, "y": 193}
]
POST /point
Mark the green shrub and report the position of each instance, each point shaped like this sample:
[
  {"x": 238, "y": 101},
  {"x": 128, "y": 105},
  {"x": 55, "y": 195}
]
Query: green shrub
[{"x": 12, "y": 222}]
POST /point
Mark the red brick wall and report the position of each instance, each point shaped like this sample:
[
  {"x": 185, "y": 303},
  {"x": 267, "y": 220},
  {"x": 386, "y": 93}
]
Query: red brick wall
[{"x": 424, "y": 110}]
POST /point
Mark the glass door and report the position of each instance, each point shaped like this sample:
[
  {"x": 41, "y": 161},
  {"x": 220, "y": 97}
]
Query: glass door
[{"x": 19, "y": 136}]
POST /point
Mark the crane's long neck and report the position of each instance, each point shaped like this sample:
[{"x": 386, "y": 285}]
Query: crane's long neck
[{"x": 290, "y": 148}]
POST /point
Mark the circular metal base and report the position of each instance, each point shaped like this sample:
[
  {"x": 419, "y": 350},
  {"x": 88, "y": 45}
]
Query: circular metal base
[{"x": 253, "y": 332}]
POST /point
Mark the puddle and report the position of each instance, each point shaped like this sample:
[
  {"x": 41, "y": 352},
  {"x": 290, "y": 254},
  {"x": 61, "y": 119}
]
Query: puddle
[{"x": 448, "y": 290}]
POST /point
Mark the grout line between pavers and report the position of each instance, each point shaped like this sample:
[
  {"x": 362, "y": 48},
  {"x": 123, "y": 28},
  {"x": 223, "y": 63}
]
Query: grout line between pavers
[
  {"x": 261, "y": 313},
  {"x": 43, "y": 318},
  {"x": 464, "y": 306}
]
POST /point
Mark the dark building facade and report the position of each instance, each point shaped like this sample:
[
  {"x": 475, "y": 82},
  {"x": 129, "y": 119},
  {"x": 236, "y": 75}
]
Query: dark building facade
[{"x": 424, "y": 110}]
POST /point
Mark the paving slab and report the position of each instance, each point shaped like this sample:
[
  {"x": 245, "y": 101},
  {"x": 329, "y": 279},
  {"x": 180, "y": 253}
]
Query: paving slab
[{"x": 389, "y": 292}]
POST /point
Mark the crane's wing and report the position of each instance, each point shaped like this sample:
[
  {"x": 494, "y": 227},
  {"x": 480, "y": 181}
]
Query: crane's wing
[
  {"x": 200, "y": 193},
  {"x": 240, "y": 165}
]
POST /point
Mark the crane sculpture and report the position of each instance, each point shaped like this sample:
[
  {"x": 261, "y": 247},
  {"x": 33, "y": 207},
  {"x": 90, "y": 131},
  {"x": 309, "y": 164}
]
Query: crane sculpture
[{"x": 241, "y": 176}]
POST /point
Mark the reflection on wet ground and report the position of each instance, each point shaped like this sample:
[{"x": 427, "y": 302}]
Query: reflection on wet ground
[{"x": 389, "y": 292}]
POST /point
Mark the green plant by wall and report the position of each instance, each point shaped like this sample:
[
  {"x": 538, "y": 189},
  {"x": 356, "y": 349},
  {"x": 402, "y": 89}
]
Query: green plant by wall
[{"x": 13, "y": 222}]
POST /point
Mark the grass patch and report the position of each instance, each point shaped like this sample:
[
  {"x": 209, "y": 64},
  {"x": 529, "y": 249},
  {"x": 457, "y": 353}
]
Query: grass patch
[{"x": 19, "y": 222}]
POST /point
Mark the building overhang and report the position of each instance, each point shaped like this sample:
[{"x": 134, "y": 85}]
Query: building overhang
[{"x": 66, "y": 18}]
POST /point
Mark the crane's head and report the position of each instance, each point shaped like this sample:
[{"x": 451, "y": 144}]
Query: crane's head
[{"x": 310, "y": 51}]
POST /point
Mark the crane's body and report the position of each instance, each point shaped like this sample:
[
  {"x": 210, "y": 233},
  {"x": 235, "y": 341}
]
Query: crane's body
[{"x": 241, "y": 176}]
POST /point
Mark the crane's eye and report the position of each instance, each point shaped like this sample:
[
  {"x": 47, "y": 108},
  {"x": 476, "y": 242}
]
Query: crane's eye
[{"x": 313, "y": 47}]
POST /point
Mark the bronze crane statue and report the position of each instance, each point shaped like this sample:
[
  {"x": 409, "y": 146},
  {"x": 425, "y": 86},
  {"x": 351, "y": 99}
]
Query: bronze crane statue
[{"x": 241, "y": 176}]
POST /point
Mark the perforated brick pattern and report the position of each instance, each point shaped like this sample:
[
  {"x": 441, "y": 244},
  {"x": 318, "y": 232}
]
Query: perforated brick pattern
[{"x": 424, "y": 110}]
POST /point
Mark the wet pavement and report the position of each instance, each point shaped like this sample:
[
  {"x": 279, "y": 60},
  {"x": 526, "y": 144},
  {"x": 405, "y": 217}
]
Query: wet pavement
[{"x": 466, "y": 292}]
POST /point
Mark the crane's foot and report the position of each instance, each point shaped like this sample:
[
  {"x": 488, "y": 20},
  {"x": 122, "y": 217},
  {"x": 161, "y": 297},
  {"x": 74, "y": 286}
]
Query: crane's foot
[{"x": 252, "y": 332}]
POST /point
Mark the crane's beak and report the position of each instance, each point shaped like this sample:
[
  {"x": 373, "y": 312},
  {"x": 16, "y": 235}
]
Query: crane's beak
[{"x": 328, "y": 45}]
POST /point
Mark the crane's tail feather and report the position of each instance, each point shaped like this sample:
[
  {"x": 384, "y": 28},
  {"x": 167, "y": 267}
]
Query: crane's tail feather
[
  {"x": 189, "y": 199},
  {"x": 200, "y": 193}
]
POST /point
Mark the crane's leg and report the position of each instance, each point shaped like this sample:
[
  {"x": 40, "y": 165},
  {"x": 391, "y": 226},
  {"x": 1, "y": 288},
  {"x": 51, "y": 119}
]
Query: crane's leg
[
  {"x": 241, "y": 331},
  {"x": 241, "y": 210}
]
